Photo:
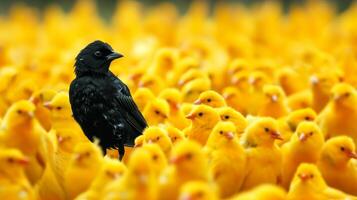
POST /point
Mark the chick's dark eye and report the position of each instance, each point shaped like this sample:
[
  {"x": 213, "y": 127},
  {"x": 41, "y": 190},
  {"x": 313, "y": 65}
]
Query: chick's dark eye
[
  {"x": 221, "y": 132},
  {"x": 98, "y": 53},
  {"x": 226, "y": 117},
  {"x": 58, "y": 107},
  {"x": 200, "y": 114},
  {"x": 307, "y": 118},
  {"x": 157, "y": 112},
  {"x": 209, "y": 100},
  {"x": 347, "y": 94},
  {"x": 188, "y": 156},
  {"x": 311, "y": 176},
  {"x": 19, "y": 112},
  {"x": 157, "y": 138},
  {"x": 311, "y": 133},
  {"x": 266, "y": 129},
  {"x": 10, "y": 160},
  {"x": 342, "y": 148}
]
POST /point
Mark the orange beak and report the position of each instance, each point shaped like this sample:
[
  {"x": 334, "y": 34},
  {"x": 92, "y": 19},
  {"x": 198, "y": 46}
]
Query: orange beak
[
  {"x": 181, "y": 83},
  {"x": 351, "y": 154},
  {"x": 177, "y": 159},
  {"x": 174, "y": 106},
  {"x": 60, "y": 139},
  {"x": 23, "y": 161},
  {"x": 229, "y": 135},
  {"x": 275, "y": 135},
  {"x": 314, "y": 80},
  {"x": 235, "y": 81},
  {"x": 48, "y": 105},
  {"x": 228, "y": 96},
  {"x": 303, "y": 137},
  {"x": 304, "y": 177},
  {"x": 191, "y": 116},
  {"x": 197, "y": 102},
  {"x": 79, "y": 157}
]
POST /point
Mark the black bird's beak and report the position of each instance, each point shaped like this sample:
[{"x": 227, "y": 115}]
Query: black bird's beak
[{"x": 113, "y": 56}]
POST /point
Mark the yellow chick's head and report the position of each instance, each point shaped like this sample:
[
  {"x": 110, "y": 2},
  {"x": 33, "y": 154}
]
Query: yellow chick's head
[
  {"x": 12, "y": 162},
  {"x": 175, "y": 134},
  {"x": 307, "y": 176},
  {"x": 222, "y": 134},
  {"x": 263, "y": 192},
  {"x": 241, "y": 80},
  {"x": 139, "y": 141},
  {"x": 211, "y": 98},
  {"x": 339, "y": 150},
  {"x": 111, "y": 170},
  {"x": 309, "y": 132},
  {"x": 86, "y": 154},
  {"x": 173, "y": 97},
  {"x": 273, "y": 93},
  {"x": 230, "y": 115},
  {"x": 158, "y": 136},
  {"x": 19, "y": 114},
  {"x": 140, "y": 174},
  {"x": 237, "y": 65},
  {"x": 263, "y": 131},
  {"x": 153, "y": 82},
  {"x": 156, "y": 112},
  {"x": 344, "y": 95},
  {"x": 203, "y": 116},
  {"x": 323, "y": 82},
  {"x": 197, "y": 190},
  {"x": 190, "y": 75},
  {"x": 258, "y": 79},
  {"x": 297, "y": 116},
  {"x": 59, "y": 106},
  {"x": 187, "y": 156},
  {"x": 157, "y": 156},
  {"x": 192, "y": 90},
  {"x": 66, "y": 140},
  {"x": 42, "y": 96},
  {"x": 142, "y": 97}
]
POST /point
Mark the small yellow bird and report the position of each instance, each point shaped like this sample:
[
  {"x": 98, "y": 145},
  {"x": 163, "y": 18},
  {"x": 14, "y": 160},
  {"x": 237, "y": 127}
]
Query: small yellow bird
[
  {"x": 227, "y": 158},
  {"x": 264, "y": 159},
  {"x": 22, "y": 131},
  {"x": 142, "y": 97},
  {"x": 192, "y": 74},
  {"x": 139, "y": 182},
  {"x": 158, "y": 157},
  {"x": 340, "y": 115},
  {"x": 274, "y": 102},
  {"x": 186, "y": 157},
  {"x": 309, "y": 184},
  {"x": 152, "y": 82},
  {"x": 41, "y": 113},
  {"x": 233, "y": 98},
  {"x": 156, "y": 112},
  {"x": 262, "y": 192},
  {"x": 139, "y": 141},
  {"x": 176, "y": 116},
  {"x": 84, "y": 166},
  {"x": 336, "y": 164},
  {"x": 304, "y": 146},
  {"x": 230, "y": 115},
  {"x": 13, "y": 181},
  {"x": 192, "y": 90},
  {"x": 198, "y": 190},
  {"x": 203, "y": 118},
  {"x": 175, "y": 134},
  {"x": 299, "y": 100},
  {"x": 158, "y": 136},
  {"x": 296, "y": 117},
  {"x": 211, "y": 98}
]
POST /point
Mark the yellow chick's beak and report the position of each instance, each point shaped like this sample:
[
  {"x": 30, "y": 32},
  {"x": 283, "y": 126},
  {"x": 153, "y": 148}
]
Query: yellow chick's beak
[
  {"x": 275, "y": 135},
  {"x": 251, "y": 81},
  {"x": 228, "y": 96},
  {"x": 229, "y": 135},
  {"x": 186, "y": 197},
  {"x": 150, "y": 141},
  {"x": 197, "y": 102},
  {"x": 181, "y": 83},
  {"x": 176, "y": 160},
  {"x": 60, "y": 139},
  {"x": 303, "y": 137},
  {"x": 351, "y": 154},
  {"x": 304, "y": 177},
  {"x": 30, "y": 114},
  {"x": 23, "y": 161},
  {"x": 274, "y": 98},
  {"x": 174, "y": 106},
  {"x": 48, "y": 105},
  {"x": 79, "y": 157},
  {"x": 191, "y": 116},
  {"x": 314, "y": 80}
]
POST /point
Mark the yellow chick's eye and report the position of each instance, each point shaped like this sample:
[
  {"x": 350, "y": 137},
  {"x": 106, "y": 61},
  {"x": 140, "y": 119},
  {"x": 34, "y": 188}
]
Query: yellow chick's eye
[
  {"x": 311, "y": 176},
  {"x": 347, "y": 94},
  {"x": 311, "y": 133},
  {"x": 266, "y": 129},
  {"x": 59, "y": 108},
  {"x": 10, "y": 160},
  {"x": 155, "y": 157},
  {"x": 209, "y": 100},
  {"x": 226, "y": 117},
  {"x": 200, "y": 114},
  {"x": 342, "y": 148},
  {"x": 157, "y": 112},
  {"x": 157, "y": 138},
  {"x": 19, "y": 112},
  {"x": 221, "y": 132},
  {"x": 188, "y": 156},
  {"x": 307, "y": 118}
]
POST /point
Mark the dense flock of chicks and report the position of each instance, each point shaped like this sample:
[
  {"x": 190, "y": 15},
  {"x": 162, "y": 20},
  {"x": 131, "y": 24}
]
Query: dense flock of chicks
[{"x": 245, "y": 103}]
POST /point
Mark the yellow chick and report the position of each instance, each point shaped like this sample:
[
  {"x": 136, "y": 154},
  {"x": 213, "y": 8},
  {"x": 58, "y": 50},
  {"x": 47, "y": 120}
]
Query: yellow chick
[
  {"x": 174, "y": 98},
  {"x": 230, "y": 115},
  {"x": 186, "y": 157},
  {"x": 304, "y": 146},
  {"x": 211, "y": 98},
  {"x": 183, "y": 66},
  {"x": 139, "y": 141},
  {"x": 13, "y": 181},
  {"x": 111, "y": 170},
  {"x": 175, "y": 134},
  {"x": 299, "y": 100},
  {"x": 142, "y": 97},
  {"x": 264, "y": 159},
  {"x": 274, "y": 102},
  {"x": 192, "y": 74},
  {"x": 197, "y": 190},
  {"x": 227, "y": 158},
  {"x": 41, "y": 113},
  {"x": 156, "y": 112},
  {"x": 22, "y": 131},
  {"x": 290, "y": 80},
  {"x": 234, "y": 99},
  {"x": 203, "y": 118},
  {"x": 139, "y": 182},
  {"x": 83, "y": 167},
  {"x": 262, "y": 192},
  {"x": 309, "y": 184},
  {"x": 164, "y": 61},
  {"x": 158, "y": 136},
  {"x": 159, "y": 161},
  {"x": 340, "y": 115},
  {"x": 192, "y": 90},
  {"x": 336, "y": 164},
  {"x": 152, "y": 82},
  {"x": 296, "y": 117}
]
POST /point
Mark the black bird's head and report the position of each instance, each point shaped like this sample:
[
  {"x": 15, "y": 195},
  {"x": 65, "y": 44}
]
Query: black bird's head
[{"x": 95, "y": 57}]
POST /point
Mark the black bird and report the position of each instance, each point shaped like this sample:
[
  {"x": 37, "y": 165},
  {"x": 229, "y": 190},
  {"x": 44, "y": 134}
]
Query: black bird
[{"x": 101, "y": 103}]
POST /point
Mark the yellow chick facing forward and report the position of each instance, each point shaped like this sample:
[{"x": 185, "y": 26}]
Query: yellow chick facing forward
[
  {"x": 340, "y": 115},
  {"x": 274, "y": 103},
  {"x": 211, "y": 98},
  {"x": 84, "y": 165},
  {"x": 156, "y": 112},
  {"x": 175, "y": 134},
  {"x": 152, "y": 82},
  {"x": 158, "y": 136},
  {"x": 192, "y": 90},
  {"x": 203, "y": 118},
  {"x": 309, "y": 184},
  {"x": 336, "y": 164},
  {"x": 230, "y": 115},
  {"x": 22, "y": 131},
  {"x": 13, "y": 181},
  {"x": 227, "y": 158},
  {"x": 264, "y": 159},
  {"x": 234, "y": 99},
  {"x": 159, "y": 160},
  {"x": 198, "y": 190},
  {"x": 262, "y": 192},
  {"x": 188, "y": 163},
  {"x": 142, "y": 97},
  {"x": 304, "y": 146}
]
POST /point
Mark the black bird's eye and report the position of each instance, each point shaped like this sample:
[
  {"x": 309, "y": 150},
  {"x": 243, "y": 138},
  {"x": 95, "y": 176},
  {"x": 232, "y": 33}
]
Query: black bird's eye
[
  {"x": 266, "y": 129},
  {"x": 98, "y": 53},
  {"x": 200, "y": 114},
  {"x": 342, "y": 148}
]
